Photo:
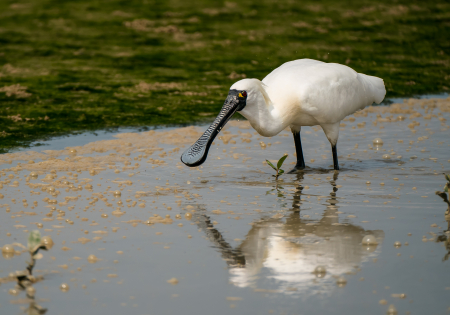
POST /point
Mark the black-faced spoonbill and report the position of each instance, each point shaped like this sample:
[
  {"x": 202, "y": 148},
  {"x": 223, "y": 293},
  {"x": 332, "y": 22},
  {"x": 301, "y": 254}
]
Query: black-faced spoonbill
[{"x": 299, "y": 93}]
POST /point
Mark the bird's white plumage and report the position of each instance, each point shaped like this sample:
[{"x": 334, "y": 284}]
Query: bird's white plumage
[{"x": 307, "y": 92}]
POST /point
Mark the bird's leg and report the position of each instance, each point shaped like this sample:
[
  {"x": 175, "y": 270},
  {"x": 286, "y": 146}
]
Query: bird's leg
[
  {"x": 335, "y": 157},
  {"x": 332, "y": 133},
  {"x": 298, "y": 149}
]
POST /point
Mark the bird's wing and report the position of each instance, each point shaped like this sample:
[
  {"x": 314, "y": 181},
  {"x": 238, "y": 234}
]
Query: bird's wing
[
  {"x": 326, "y": 91},
  {"x": 289, "y": 68}
]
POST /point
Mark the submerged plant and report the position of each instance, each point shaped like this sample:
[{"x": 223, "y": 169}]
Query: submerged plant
[
  {"x": 35, "y": 243},
  {"x": 444, "y": 238},
  {"x": 278, "y": 168},
  {"x": 447, "y": 185},
  {"x": 25, "y": 278},
  {"x": 444, "y": 194}
]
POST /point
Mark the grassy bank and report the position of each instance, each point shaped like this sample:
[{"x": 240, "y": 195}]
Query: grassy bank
[{"x": 86, "y": 64}]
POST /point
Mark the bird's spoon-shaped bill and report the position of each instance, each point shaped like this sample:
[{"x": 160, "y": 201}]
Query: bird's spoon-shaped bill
[{"x": 198, "y": 152}]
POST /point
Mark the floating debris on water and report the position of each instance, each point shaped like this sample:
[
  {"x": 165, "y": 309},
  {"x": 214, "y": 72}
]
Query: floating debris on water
[
  {"x": 341, "y": 282},
  {"x": 47, "y": 242},
  {"x": 392, "y": 310},
  {"x": 8, "y": 249},
  {"x": 377, "y": 141},
  {"x": 369, "y": 240},
  {"x": 320, "y": 271},
  {"x": 173, "y": 281},
  {"x": 64, "y": 287}
]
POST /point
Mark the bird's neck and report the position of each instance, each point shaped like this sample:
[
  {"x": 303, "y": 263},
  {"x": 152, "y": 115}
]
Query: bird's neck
[{"x": 266, "y": 119}]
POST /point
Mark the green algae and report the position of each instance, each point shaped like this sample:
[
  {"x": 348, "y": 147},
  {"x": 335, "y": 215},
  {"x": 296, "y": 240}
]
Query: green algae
[{"x": 83, "y": 65}]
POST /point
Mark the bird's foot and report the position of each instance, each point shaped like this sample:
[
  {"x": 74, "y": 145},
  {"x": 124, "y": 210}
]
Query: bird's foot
[{"x": 296, "y": 169}]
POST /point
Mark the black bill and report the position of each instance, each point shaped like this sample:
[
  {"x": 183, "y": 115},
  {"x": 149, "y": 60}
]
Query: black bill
[{"x": 198, "y": 152}]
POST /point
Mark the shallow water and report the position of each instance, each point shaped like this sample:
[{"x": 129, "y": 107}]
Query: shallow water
[{"x": 236, "y": 240}]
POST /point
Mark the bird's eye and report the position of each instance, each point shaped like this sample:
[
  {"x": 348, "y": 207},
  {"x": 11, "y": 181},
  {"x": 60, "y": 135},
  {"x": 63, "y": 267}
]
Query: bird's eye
[{"x": 244, "y": 94}]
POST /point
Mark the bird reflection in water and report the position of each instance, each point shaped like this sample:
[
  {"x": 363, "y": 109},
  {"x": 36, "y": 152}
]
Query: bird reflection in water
[{"x": 297, "y": 252}]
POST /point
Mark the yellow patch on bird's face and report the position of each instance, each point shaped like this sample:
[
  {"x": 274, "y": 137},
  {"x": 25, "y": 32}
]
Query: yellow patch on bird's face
[{"x": 240, "y": 95}]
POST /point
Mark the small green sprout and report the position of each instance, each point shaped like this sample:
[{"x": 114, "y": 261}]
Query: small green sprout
[
  {"x": 278, "y": 168},
  {"x": 34, "y": 240}
]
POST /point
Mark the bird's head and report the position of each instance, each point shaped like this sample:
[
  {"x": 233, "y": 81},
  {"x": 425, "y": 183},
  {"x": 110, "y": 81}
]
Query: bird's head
[{"x": 241, "y": 94}]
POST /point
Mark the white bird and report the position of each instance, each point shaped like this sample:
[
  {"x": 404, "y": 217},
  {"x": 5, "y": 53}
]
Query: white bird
[{"x": 299, "y": 93}]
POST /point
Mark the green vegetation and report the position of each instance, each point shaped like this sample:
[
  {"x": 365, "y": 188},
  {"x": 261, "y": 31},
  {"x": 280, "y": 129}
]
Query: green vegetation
[
  {"x": 278, "y": 168},
  {"x": 90, "y": 64}
]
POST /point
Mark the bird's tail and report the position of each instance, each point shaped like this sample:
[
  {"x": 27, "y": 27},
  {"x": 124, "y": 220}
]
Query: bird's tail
[{"x": 375, "y": 86}]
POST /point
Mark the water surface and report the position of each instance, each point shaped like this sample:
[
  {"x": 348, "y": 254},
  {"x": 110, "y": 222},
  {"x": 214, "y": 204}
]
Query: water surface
[{"x": 236, "y": 240}]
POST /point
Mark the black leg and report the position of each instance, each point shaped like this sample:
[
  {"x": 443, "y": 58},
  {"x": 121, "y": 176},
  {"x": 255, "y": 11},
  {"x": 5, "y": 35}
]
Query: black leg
[
  {"x": 335, "y": 158},
  {"x": 298, "y": 149}
]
